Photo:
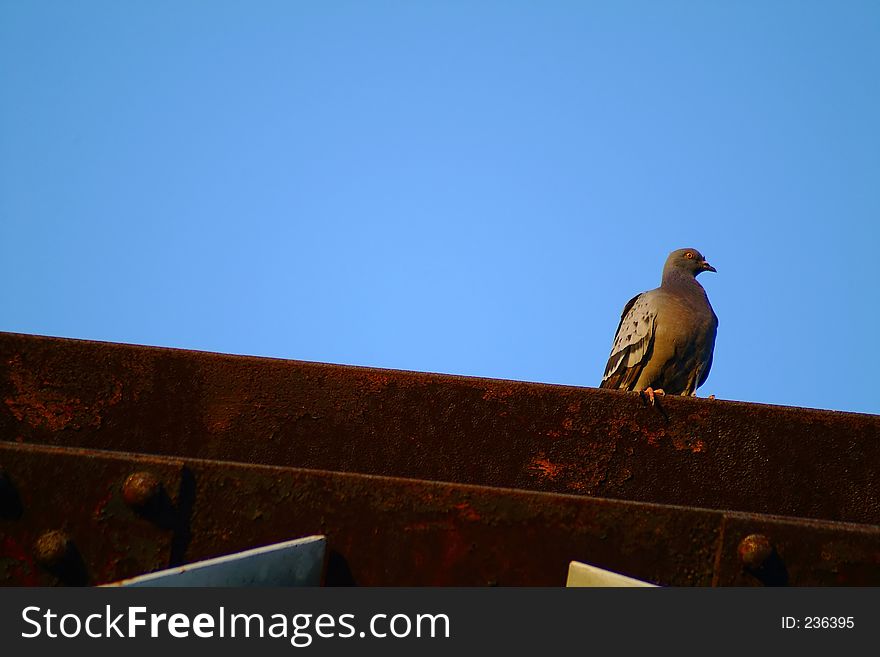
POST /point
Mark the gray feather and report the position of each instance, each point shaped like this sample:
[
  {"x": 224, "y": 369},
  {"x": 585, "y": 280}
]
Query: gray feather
[{"x": 666, "y": 337}]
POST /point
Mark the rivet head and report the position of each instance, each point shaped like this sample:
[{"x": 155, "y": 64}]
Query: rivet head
[
  {"x": 754, "y": 550},
  {"x": 53, "y": 548},
  {"x": 141, "y": 490}
]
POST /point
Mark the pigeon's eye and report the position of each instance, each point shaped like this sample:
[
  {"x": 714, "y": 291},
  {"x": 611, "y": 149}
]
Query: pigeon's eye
[{"x": 689, "y": 255}]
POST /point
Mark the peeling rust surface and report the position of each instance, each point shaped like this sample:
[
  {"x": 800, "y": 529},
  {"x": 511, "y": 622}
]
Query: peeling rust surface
[
  {"x": 584, "y": 441},
  {"x": 385, "y": 531}
]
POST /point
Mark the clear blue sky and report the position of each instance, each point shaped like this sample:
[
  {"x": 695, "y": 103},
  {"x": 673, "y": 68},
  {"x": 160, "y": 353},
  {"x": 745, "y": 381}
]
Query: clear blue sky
[{"x": 465, "y": 187}]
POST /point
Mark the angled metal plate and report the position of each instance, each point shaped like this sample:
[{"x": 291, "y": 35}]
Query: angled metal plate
[
  {"x": 584, "y": 575},
  {"x": 299, "y": 562}
]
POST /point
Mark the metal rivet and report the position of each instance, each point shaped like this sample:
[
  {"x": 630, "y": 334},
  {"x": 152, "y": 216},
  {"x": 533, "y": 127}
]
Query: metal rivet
[
  {"x": 53, "y": 548},
  {"x": 142, "y": 489},
  {"x": 755, "y": 550}
]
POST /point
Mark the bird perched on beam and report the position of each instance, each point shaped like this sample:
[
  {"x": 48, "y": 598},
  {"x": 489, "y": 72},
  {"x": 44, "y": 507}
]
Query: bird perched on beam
[{"x": 666, "y": 336}]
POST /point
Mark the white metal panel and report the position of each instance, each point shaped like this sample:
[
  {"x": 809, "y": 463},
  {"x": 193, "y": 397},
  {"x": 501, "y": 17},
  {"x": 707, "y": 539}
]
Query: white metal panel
[{"x": 299, "y": 562}]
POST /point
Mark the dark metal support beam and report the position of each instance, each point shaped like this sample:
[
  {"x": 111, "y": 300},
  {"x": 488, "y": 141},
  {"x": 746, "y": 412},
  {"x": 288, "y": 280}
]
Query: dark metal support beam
[
  {"x": 387, "y": 531},
  {"x": 583, "y": 441}
]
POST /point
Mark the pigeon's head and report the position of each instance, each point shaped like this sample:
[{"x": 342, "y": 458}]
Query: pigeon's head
[{"x": 687, "y": 260}]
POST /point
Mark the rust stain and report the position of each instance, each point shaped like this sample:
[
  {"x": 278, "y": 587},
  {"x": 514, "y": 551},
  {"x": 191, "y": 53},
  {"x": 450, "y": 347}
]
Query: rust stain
[
  {"x": 101, "y": 506},
  {"x": 19, "y": 565},
  {"x": 421, "y": 526},
  {"x": 467, "y": 512},
  {"x": 221, "y": 416},
  {"x": 545, "y": 468},
  {"x": 579, "y": 487},
  {"x": 376, "y": 381},
  {"x": 496, "y": 393},
  {"x": 455, "y": 551},
  {"x": 46, "y": 403},
  {"x": 693, "y": 445},
  {"x": 653, "y": 436}
]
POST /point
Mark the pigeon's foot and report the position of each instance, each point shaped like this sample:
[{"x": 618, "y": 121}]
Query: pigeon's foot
[{"x": 650, "y": 393}]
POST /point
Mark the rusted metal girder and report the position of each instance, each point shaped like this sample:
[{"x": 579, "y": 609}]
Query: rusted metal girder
[
  {"x": 695, "y": 452},
  {"x": 389, "y": 531}
]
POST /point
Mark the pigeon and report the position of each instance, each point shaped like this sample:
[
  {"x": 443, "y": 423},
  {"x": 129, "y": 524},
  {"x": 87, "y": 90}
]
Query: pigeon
[{"x": 666, "y": 336}]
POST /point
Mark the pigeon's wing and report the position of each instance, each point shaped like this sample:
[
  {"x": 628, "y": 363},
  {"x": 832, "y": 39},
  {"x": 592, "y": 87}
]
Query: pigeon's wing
[
  {"x": 633, "y": 343},
  {"x": 708, "y": 351},
  {"x": 704, "y": 372}
]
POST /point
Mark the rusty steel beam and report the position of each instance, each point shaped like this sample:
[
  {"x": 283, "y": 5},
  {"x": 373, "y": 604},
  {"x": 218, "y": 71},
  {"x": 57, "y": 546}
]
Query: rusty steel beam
[
  {"x": 584, "y": 441},
  {"x": 389, "y": 531}
]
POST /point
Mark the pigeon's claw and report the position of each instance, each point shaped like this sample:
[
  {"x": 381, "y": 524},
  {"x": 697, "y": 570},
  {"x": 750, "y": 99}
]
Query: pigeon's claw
[{"x": 650, "y": 393}]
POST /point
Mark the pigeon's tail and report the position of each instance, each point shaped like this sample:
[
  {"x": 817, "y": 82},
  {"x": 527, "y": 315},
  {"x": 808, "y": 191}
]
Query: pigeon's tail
[{"x": 618, "y": 376}]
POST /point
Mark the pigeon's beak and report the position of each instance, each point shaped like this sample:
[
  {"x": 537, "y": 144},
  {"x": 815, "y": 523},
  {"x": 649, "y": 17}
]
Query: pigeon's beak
[{"x": 705, "y": 266}]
